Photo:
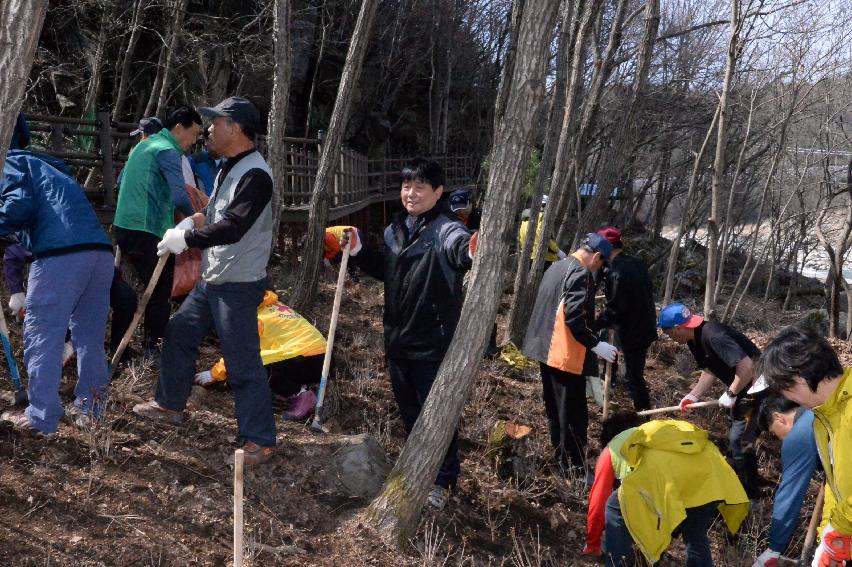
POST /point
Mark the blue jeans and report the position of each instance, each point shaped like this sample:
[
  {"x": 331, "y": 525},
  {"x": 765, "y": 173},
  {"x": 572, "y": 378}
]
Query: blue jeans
[
  {"x": 618, "y": 543},
  {"x": 70, "y": 291},
  {"x": 411, "y": 381},
  {"x": 230, "y": 309}
]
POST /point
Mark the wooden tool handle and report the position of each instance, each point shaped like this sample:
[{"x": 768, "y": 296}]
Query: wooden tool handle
[
  {"x": 239, "y": 457},
  {"x": 696, "y": 405}
]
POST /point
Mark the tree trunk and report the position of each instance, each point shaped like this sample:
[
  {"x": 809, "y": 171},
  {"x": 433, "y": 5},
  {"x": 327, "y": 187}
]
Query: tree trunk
[
  {"x": 681, "y": 229},
  {"x": 719, "y": 166},
  {"x": 158, "y": 82},
  {"x": 276, "y": 152},
  {"x": 20, "y": 29},
  {"x": 396, "y": 511},
  {"x": 727, "y": 227},
  {"x": 563, "y": 171},
  {"x": 794, "y": 278},
  {"x": 124, "y": 78},
  {"x": 97, "y": 61},
  {"x": 756, "y": 232},
  {"x": 306, "y": 282},
  {"x": 524, "y": 296},
  {"x": 315, "y": 74},
  {"x": 615, "y": 158},
  {"x": 177, "y": 15}
]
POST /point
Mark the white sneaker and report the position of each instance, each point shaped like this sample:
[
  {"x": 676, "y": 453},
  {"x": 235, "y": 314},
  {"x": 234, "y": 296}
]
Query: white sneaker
[{"x": 438, "y": 497}]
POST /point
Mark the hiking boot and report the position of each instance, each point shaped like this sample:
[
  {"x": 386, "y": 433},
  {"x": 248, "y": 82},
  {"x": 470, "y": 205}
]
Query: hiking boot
[
  {"x": 76, "y": 416},
  {"x": 21, "y": 423},
  {"x": 255, "y": 454},
  {"x": 438, "y": 497},
  {"x": 155, "y": 412},
  {"x": 301, "y": 406}
]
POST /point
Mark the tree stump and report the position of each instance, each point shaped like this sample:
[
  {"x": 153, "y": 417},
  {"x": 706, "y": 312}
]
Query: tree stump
[{"x": 508, "y": 447}]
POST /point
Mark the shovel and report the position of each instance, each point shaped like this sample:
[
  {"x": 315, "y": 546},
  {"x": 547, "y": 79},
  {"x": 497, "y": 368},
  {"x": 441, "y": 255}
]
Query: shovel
[
  {"x": 20, "y": 393},
  {"x": 329, "y": 344}
]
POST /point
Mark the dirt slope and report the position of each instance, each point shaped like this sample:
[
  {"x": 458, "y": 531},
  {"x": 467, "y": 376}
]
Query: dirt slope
[{"x": 132, "y": 493}]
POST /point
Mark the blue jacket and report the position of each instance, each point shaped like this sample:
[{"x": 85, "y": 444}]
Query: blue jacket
[
  {"x": 40, "y": 200},
  {"x": 799, "y": 460},
  {"x": 206, "y": 169}
]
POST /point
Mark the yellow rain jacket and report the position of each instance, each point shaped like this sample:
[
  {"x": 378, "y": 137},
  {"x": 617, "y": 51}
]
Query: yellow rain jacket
[
  {"x": 675, "y": 467},
  {"x": 284, "y": 334},
  {"x": 833, "y": 434},
  {"x": 552, "y": 248}
]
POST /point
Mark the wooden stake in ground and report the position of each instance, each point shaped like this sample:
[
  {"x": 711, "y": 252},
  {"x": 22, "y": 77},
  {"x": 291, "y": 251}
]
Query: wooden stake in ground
[
  {"x": 125, "y": 340},
  {"x": 677, "y": 408},
  {"x": 329, "y": 342},
  {"x": 239, "y": 456},
  {"x": 608, "y": 378},
  {"x": 810, "y": 536}
]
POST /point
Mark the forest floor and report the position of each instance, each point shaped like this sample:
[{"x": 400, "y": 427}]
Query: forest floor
[{"x": 132, "y": 493}]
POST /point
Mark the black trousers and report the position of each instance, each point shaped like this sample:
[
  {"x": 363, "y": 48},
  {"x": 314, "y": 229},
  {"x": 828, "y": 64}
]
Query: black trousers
[
  {"x": 411, "y": 381},
  {"x": 140, "y": 249},
  {"x": 634, "y": 374},
  {"x": 567, "y": 414},
  {"x": 287, "y": 377},
  {"x": 122, "y": 300}
]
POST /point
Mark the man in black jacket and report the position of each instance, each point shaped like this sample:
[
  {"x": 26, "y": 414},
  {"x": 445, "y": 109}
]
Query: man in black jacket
[
  {"x": 426, "y": 252},
  {"x": 630, "y": 310},
  {"x": 561, "y": 338}
]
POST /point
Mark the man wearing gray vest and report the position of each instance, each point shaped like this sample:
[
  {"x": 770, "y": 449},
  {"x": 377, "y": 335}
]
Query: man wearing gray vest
[{"x": 235, "y": 233}]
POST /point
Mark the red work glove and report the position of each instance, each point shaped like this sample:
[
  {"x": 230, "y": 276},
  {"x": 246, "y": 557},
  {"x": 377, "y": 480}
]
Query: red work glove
[
  {"x": 593, "y": 551},
  {"x": 834, "y": 548},
  {"x": 687, "y": 401},
  {"x": 472, "y": 246}
]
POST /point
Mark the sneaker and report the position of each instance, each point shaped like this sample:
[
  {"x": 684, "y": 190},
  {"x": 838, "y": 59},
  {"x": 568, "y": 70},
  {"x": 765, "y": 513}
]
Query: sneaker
[
  {"x": 154, "y": 411},
  {"x": 21, "y": 423},
  {"x": 302, "y": 406},
  {"x": 78, "y": 417},
  {"x": 204, "y": 379},
  {"x": 438, "y": 497},
  {"x": 255, "y": 454}
]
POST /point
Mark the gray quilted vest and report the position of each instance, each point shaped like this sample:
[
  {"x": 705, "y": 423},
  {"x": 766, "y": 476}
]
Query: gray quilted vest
[{"x": 246, "y": 259}]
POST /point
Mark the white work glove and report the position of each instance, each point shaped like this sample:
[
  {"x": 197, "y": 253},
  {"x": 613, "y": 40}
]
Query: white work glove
[
  {"x": 687, "y": 400},
  {"x": 768, "y": 558},
  {"x": 185, "y": 224},
  {"x": 350, "y": 235},
  {"x": 204, "y": 378},
  {"x": 606, "y": 351},
  {"x": 173, "y": 241},
  {"x": 17, "y": 303},
  {"x": 727, "y": 401},
  {"x": 561, "y": 255}
]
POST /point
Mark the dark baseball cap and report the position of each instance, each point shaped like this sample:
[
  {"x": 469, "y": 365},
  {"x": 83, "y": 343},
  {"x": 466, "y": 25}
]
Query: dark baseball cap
[
  {"x": 459, "y": 199},
  {"x": 238, "y": 109},
  {"x": 598, "y": 243},
  {"x": 149, "y": 126}
]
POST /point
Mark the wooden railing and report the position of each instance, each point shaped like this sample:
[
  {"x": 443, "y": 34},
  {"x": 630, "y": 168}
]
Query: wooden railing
[
  {"x": 109, "y": 157},
  {"x": 358, "y": 181}
]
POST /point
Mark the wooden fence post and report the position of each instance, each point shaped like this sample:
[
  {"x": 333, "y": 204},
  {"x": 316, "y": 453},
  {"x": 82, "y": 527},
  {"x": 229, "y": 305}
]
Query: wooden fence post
[
  {"x": 57, "y": 140},
  {"x": 107, "y": 171}
]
